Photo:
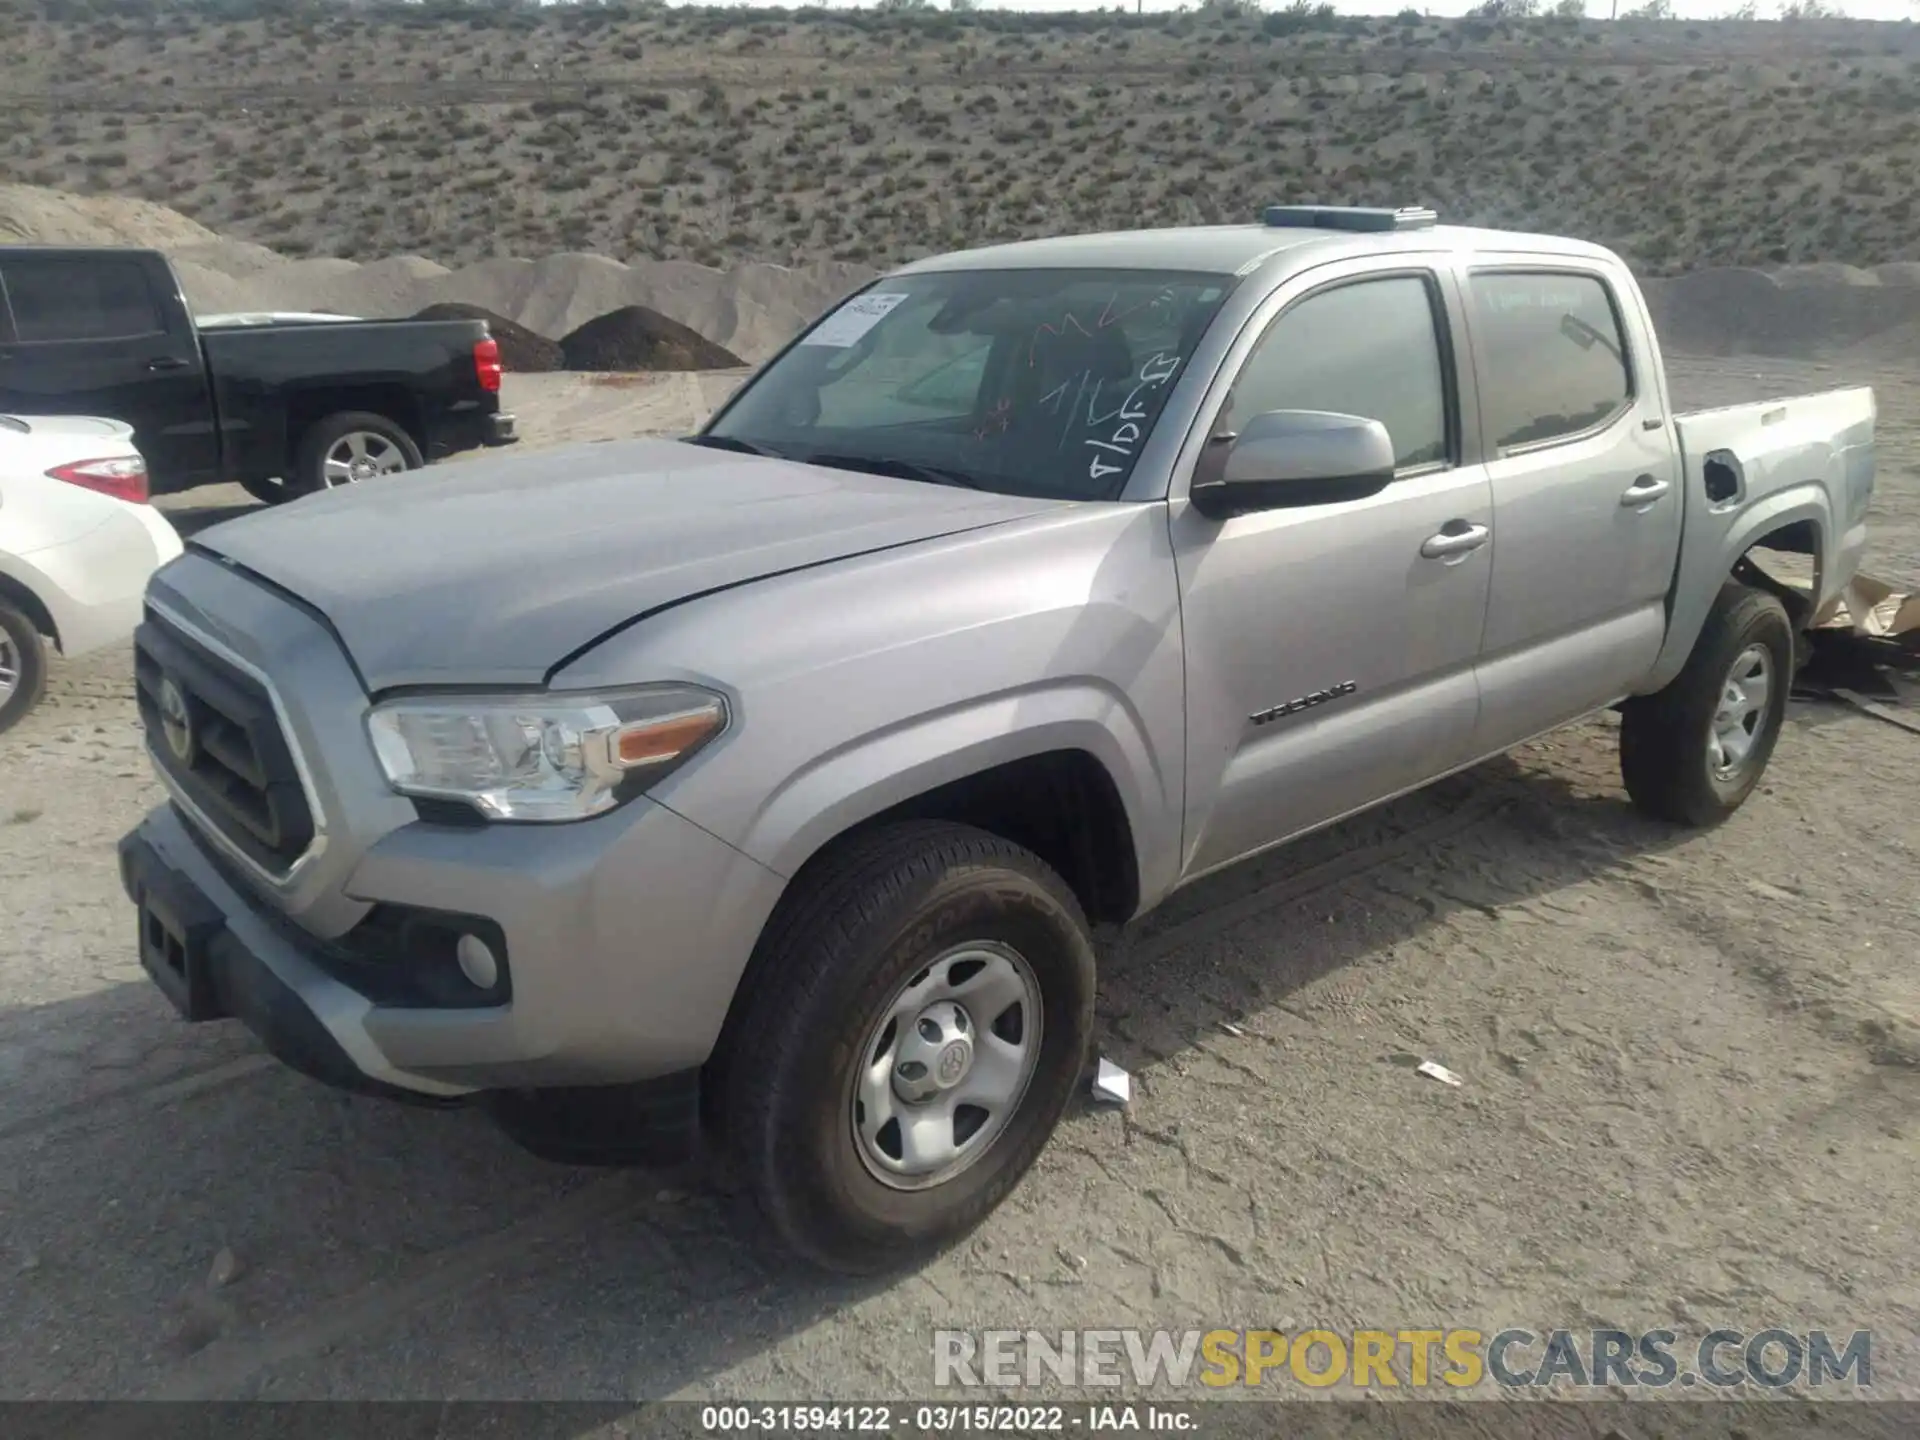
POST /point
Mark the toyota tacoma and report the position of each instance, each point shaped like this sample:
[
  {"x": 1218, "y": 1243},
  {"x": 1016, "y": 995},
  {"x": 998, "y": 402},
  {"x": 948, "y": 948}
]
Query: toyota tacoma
[{"x": 760, "y": 789}]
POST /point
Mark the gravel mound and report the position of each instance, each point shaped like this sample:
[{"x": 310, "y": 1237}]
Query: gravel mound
[
  {"x": 521, "y": 350},
  {"x": 1821, "y": 274},
  {"x": 1897, "y": 347},
  {"x": 1805, "y": 312},
  {"x": 52, "y": 217},
  {"x": 745, "y": 314},
  {"x": 635, "y": 338},
  {"x": 749, "y": 310}
]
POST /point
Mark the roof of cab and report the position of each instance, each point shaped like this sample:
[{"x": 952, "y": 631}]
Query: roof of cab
[{"x": 1236, "y": 249}]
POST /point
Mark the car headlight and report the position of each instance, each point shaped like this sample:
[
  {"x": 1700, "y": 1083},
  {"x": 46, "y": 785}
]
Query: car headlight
[{"x": 542, "y": 756}]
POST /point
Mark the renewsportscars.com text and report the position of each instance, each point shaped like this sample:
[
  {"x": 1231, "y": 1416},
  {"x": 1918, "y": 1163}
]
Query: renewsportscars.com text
[{"x": 1453, "y": 1359}]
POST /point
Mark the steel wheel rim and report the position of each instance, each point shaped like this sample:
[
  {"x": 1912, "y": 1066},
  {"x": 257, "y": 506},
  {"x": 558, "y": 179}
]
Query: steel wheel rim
[
  {"x": 10, "y": 668},
  {"x": 1740, "y": 720},
  {"x": 914, "y": 1130},
  {"x": 360, "y": 455}
]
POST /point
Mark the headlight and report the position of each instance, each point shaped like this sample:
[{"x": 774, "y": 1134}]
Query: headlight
[{"x": 542, "y": 756}]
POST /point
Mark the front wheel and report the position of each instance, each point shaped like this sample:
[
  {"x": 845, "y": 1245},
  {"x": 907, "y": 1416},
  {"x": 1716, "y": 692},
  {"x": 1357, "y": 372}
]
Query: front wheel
[
  {"x": 349, "y": 448},
  {"x": 917, "y": 1025},
  {"x": 1693, "y": 752}
]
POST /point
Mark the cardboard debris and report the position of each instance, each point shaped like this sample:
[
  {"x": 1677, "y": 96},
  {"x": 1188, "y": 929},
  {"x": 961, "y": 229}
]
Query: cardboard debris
[
  {"x": 1873, "y": 608},
  {"x": 1112, "y": 1084},
  {"x": 1433, "y": 1070}
]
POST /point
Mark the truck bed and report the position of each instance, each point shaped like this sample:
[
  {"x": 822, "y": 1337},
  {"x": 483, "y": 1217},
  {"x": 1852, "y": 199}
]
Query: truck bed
[{"x": 1797, "y": 473}]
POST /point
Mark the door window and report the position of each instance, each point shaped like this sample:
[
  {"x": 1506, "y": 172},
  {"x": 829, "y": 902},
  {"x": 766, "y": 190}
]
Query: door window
[
  {"x": 1553, "y": 359},
  {"x": 80, "y": 299},
  {"x": 1369, "y": 348}
]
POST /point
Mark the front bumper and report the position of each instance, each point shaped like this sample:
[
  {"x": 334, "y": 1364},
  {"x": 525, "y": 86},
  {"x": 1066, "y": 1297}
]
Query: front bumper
[
  {"x": 216, "y": 957},
  {"x": 621, "y": 945},
  {"x": 214, "y": 971},
  {"x": 216, "y": 960}
]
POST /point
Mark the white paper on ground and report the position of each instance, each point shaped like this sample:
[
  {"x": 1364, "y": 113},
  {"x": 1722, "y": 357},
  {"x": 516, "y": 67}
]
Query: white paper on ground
[
  {"x": 852, "y": 320},
  {"x": 1433, "y": 1070},
  {"x": 1112, "y": 1084}
]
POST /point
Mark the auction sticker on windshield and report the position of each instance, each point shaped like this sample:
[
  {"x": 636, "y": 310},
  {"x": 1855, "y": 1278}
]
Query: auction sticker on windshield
[{"x": 852, "y": 320}]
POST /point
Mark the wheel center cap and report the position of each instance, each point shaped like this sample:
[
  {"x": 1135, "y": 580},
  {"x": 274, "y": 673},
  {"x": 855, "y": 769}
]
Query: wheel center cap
[
  {"x": 935, "y": 1053},
  {"x": 954, "y": 1062}
]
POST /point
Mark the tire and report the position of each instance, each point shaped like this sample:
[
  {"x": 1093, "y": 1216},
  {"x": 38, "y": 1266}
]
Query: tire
[
  {"x": 268, "y": 492},
  {"x": 382, "y": 441},
  {"x": 23, "y": 666},
  {"x": 1670, "y": 757},
  {"x": 893, "y": 907}
]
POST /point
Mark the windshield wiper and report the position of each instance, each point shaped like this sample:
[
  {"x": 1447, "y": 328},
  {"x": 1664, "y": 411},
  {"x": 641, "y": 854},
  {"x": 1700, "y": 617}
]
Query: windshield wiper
[
  {"x": 728, "y": 442},
  {"x": 905, "y": 469}
]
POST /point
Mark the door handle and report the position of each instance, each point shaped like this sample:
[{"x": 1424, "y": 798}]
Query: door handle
[
  {"x": 167, "y": 362},
  {"x": 1644, "y": 491},
  {"x": 1449, "y": 543}
]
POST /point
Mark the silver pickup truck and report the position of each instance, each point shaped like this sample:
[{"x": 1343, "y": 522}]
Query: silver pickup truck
[{"x": 763, "y": 786}]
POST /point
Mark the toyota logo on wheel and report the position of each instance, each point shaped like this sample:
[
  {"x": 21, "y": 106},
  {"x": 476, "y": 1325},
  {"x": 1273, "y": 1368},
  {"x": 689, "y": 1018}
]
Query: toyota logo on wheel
[{"x": 176, "y": 721}]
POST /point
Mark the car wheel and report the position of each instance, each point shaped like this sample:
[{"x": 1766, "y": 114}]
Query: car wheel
[
  {"x": 1693, "y": 752},
  {"x": 351, "y": 447},
  {"x": 23, "y": 666},
  {"x": 914, "y": 1030}
]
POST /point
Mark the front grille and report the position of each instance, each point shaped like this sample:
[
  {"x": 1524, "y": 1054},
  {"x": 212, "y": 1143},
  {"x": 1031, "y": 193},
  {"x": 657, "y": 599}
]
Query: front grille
[{"x": 212, "y": 728}]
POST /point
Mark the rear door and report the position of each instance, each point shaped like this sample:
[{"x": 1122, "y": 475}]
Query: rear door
[
  {"x": 1586, "y": 490},
  {"x": 107, "y": 334}
]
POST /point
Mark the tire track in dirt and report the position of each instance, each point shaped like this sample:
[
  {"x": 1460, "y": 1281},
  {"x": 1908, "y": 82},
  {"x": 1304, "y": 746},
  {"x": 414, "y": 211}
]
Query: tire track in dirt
[{"x": 145, "y": 1094}]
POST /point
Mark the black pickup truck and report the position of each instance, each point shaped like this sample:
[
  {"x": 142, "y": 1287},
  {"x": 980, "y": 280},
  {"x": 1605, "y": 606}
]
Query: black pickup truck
[{"x": 282, "y": 408}]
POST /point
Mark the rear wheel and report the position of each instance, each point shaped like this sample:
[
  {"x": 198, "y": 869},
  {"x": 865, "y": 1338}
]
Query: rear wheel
[
  {"x": 349, "y": 448},
  {"x": 916, "y": 1028},
  {"x": 23, "y": 666},
  {"x": 1693, "y": 752}
]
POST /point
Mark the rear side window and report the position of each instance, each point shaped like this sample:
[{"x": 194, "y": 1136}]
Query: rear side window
[
  {"x": 80, "y": 299},
  {"x": 1368, "y": 348},
  {"x": 1553, "y": 359}
]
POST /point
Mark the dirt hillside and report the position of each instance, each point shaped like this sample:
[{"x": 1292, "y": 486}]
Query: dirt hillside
[{"x": 468, "y": 133}]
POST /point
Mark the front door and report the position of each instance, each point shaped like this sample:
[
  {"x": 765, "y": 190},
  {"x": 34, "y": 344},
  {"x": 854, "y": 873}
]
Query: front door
[
  {"x": 90, "y": 337},
  {"x": 1331, "y": 647}
]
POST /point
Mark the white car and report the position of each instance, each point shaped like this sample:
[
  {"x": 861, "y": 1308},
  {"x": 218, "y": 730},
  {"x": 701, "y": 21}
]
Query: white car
[{"x": 77, "y": 543}]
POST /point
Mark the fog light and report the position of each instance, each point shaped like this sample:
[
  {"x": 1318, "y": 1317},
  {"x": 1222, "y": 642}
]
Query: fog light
[{"x": 477, "y": 961}]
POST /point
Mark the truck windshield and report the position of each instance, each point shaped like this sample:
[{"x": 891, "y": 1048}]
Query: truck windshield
[{"x": 1028, "y": 382}]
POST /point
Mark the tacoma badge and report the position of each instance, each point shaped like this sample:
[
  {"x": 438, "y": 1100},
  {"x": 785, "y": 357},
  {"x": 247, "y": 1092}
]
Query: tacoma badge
[{"x": 1305, "y": 702}]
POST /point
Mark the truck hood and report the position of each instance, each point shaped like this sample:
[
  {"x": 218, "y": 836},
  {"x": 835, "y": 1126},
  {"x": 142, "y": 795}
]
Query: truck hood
[{"x": 494, "y": 571}]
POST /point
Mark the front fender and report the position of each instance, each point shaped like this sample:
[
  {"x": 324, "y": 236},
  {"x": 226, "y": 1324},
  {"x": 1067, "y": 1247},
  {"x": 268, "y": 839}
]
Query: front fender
[{"x": 887, "y": 767}]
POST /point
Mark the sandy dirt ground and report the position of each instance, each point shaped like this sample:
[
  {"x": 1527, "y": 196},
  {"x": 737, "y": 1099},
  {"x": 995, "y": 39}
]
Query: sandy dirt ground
[{"x": 1691, "y": 1066}]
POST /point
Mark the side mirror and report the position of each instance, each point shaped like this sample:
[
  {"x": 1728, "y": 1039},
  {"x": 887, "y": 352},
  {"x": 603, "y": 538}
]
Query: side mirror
[{"x": 1297, "y": 457}]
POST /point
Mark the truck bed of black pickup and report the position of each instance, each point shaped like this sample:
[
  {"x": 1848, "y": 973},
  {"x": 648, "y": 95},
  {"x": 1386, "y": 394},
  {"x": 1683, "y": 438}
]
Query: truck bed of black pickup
[{"x": 282, "y": 408}]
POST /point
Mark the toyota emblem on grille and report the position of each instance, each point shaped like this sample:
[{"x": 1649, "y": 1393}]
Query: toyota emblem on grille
[{"x": 176, "y": 721}]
